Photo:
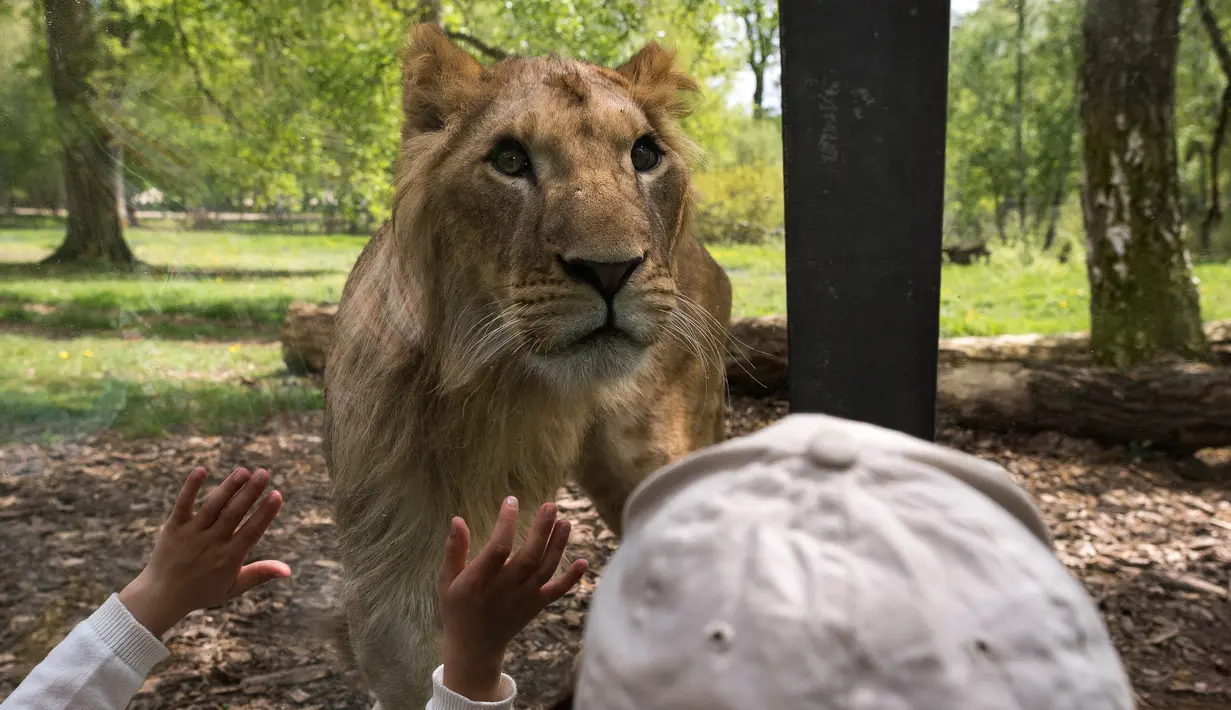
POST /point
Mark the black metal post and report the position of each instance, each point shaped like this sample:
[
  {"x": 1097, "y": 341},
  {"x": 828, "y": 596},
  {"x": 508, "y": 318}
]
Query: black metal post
[{"x": 864, "y": 107}]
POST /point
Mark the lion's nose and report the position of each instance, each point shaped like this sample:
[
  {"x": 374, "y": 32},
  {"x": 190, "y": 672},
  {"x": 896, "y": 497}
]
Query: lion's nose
[{"x": 607, "y": 277}]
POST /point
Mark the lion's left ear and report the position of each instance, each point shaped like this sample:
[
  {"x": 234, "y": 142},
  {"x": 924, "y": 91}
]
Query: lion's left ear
[{"x": 656, "y": 81}]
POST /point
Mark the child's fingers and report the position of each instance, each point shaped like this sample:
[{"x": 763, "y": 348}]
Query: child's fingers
[
  {"x": 241, "y": 502},
  {"x": 498, "y": 548},
  {"x": 249, "y": 534},
  {"x": 217, "y": 498},
  {"x": 258, "y": 573},
  {"x": 557, "y": 587},
  {"x": 550, "y": 559},
  {"x": 181, "y": 512},
  {"x": 457, "y": 549},
  {"x": 526, "y": 561}
]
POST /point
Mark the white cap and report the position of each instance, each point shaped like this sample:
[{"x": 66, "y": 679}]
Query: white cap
[{"x": 824, "y": 563}]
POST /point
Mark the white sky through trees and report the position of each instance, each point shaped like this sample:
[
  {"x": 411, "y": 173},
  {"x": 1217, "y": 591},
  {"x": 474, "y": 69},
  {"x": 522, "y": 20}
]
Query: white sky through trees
[{"x": 741, "y": 94}]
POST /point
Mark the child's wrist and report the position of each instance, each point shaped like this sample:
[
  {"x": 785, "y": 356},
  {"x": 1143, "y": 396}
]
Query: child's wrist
[
  {"x": 148, "y": 605},
  {"x": 474, "y": 676}
]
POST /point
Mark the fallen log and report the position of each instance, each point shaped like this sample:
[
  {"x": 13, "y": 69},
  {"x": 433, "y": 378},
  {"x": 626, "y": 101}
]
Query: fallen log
[
  {"x": 1009, "y": 382},
  {"x": 1178, "y": 407},
  {"x": 305, "y": 336}
]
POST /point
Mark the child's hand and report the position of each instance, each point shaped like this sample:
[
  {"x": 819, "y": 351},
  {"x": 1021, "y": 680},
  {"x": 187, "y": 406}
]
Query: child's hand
[
  {"x": 488, "y": 602},
  {"x": 198, "y": 559}
]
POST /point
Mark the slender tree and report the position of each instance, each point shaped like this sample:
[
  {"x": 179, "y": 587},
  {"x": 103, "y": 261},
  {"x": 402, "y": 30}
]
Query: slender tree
[
  {"x": 1144, "y": 303},
  {"x": 1213, "y": 215},
  {"x": 95, "y": 233},
  {"x": 760, "y": 20},
  {"x": 1020, "y": 117}
]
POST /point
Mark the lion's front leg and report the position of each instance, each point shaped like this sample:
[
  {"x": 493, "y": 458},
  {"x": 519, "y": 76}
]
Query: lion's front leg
[{"x": 396, "y": 637}]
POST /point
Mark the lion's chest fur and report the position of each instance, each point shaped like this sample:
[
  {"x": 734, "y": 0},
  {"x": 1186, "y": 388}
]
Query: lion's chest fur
[{"x": 495, "y": 448}]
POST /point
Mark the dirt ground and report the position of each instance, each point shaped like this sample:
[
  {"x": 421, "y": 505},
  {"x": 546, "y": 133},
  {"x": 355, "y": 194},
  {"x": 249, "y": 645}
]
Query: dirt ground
[{"x": 1149, "y": 537}]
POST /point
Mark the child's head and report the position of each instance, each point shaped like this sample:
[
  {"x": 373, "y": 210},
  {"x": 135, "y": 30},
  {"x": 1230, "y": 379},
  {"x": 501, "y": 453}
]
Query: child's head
[{"x": 823, "y": 563}]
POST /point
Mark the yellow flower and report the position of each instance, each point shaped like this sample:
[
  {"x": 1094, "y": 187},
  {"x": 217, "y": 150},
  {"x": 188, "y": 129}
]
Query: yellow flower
[
  {"x": 87, "y": 353},
  {"x": 63, "y": 354},
  {"x": 234, "y": 348},
  {"x": 218, "y": 279},
  {"x": 1064, "y": 304}
]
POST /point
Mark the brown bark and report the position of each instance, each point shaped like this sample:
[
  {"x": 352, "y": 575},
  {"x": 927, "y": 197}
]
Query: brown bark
[
  {"x": 1026, "y": 382},
  {"x": 1177, "y": 406},
  {"x": 305, "y": 336},
  {"x": 487, "y": 50},
  {"x": 1020, "y": 118},
  {"x": 1144, "y": 303},
  {"x": 760, "y": 28},
  {"x": 1213, "y": 215},
  {"x": 94, "y": 231}
]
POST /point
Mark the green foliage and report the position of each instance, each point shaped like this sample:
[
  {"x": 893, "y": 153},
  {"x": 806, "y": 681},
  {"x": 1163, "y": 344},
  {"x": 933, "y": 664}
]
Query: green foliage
[
  {"x": 29, "y": 151},
  {"x": 981, "y": 171},
  {"x": 288, "y": 106},
  {"x": 740, "y": 204},
  {"x": 601, "y": 31},
  {"x": 55, "y": 388},
  {"x": 1199, "y": 86}
]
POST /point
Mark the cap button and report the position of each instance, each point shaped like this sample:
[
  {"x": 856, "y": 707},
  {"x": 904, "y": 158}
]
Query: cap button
[{"x": 834, "y": 451}]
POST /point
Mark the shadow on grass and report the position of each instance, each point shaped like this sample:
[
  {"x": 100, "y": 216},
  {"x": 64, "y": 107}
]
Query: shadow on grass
[
  {"x": 144, "y": 410},
  {"x": 186, "y": 329},
  {"x": 14, "y": 271},
  {"x": 100, "y": 313}
]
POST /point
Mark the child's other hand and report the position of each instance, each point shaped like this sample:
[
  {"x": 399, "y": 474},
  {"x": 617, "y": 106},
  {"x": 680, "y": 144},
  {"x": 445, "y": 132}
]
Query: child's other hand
[
  {"x": 198, "y": 559},
  {"x": 488, "y": 602}
]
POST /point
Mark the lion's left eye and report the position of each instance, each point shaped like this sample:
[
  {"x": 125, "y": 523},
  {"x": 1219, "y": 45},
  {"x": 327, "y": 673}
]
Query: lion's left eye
[
  {"x": 646, "y": 154},
  {"x": 510, "y": 158}
]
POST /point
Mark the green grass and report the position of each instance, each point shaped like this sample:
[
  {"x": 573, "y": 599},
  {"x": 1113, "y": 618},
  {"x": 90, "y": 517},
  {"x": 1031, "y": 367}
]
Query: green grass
[
  {"x": 758, "y": 278},
  {"x": 141, "y": 353},
  {"x": 221, "y": 284},
  {"x": 191, "y": 342},
  {"x": 1015, "y": 294},
  {"x": 53, "y": 387}
]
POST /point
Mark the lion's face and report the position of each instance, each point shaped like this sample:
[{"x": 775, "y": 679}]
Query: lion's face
[{"x": 561, "y": 198}]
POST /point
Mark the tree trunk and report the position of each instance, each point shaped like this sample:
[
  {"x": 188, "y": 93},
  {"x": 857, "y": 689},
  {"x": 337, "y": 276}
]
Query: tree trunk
[
  {"x": 1213, "y": 215},
  {"x": 759, "y": 31},
  {"x": 1143, "y": 304},
  {"x": 758, "y": 91},
  {"x": 1002, "y": 211},
  {"x": 1057, "y": 199},
  {"x": 1021, "y": 117},
  {"x": 90, "y": 172},
  {"x": 121, "y": 204},
  {"x": 1196, "y": 151}
]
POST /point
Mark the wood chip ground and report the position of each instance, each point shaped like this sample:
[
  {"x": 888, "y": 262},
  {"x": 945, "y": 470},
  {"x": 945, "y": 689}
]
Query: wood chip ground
[{"x": 1150, "y": 538}]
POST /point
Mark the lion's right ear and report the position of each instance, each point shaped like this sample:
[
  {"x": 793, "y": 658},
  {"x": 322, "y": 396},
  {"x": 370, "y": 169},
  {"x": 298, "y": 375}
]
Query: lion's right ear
[{"x": 438, "y": 77}]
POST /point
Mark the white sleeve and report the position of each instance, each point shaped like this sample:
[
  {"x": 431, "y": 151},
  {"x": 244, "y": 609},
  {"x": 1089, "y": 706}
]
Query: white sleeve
[
  {"x": 100, "y": 665},
  {"x": 445, "y": 699}
]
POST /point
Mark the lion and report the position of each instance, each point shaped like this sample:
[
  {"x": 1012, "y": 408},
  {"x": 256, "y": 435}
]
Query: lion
[{"x": 535, "y": 307}]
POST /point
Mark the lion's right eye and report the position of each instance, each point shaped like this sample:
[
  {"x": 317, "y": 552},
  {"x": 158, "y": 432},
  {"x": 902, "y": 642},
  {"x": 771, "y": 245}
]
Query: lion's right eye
[{"x": 510, "y": 158}]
